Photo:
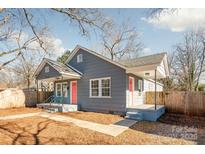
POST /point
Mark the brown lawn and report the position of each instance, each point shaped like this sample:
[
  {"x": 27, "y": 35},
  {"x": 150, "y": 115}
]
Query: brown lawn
[
  {"x": 94, "y": 117},
  {"x": 37, "y": 130},
  {"x": 21, "y": 110}
]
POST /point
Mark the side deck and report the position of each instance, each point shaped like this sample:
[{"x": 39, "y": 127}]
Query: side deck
[{"x": 145, "y": 112}]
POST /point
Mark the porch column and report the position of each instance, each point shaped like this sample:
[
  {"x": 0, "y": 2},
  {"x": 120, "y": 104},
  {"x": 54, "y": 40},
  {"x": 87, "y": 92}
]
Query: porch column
[
  {"x": 155, "y": 92},
  {"x": 37, "y": 89}
]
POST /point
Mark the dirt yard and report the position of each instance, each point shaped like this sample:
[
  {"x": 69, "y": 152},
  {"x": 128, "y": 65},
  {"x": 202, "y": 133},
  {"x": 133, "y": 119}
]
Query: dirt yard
[
  {"x": 37, "y": 130},
  {"x": 13, "y": 111},
  {"x": 94, "y": 117}
]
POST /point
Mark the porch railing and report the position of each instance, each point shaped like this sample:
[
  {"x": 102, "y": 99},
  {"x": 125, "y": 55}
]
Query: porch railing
[{"x": 57, "y": 100}]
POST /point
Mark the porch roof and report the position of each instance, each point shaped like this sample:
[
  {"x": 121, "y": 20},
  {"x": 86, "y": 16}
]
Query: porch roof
[
  {"x": 145, "y": 66},
  {"x": 65, "y": 71}
]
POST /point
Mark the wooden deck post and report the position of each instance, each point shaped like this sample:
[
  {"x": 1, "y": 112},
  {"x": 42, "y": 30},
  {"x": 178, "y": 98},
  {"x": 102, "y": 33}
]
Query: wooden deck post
[
  {"x": 37, "y": 89},
  {"x": 155, "y": 91}
]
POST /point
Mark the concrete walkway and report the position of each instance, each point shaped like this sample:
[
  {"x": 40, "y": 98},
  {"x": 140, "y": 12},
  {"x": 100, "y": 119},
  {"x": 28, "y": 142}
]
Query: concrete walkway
[{"x": 112, "y": 129}]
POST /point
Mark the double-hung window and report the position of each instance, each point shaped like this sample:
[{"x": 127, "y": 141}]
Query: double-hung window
[
  {"x": 100, "y": 87},
  {"x": 58, "y": 89},
  {"x": 61, "y": 89}
]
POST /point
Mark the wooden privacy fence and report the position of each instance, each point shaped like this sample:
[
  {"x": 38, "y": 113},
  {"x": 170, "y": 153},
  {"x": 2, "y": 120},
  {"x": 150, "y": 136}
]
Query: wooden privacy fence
[
  {"x": 31, "y": 97},
  {"x": 189, "y": 103},
  {"x": 151, "y": 95}
]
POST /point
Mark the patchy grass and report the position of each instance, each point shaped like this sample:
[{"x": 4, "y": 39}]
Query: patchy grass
[
  {"x": 21, "y": 110},
  {"x": 101, "y": 118}
]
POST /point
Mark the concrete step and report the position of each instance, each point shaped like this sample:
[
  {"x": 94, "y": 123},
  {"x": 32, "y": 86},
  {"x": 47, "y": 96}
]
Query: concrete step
[
  {"x": 52, "y": 109},
  {"x": 134, "y": 115}
]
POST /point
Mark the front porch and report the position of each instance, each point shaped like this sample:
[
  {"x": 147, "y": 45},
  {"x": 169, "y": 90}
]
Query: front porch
[
  {"x": 147, "y": 112},
  {"x": 62, "y": 81},
  {"x": 155, "y": 70}
]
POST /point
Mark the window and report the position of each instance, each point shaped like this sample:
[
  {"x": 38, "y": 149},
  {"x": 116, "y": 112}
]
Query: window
[
  {"x": 61, "y": 89},
  {"x": 105, "y": 87},
  {"x": 79, "y": 58},
  {"x": 46, "y": 69},
  {"x": 94, "y": 88},
  {"x": 64, "y": 89},
  {"x": 58, "y": 90},
  {"x": 139, "y": 85},
  {"x": 100, "y": 88}
]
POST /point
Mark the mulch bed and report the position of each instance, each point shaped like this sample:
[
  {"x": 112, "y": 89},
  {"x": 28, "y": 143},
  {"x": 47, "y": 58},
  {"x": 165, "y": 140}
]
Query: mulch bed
[{"x": 183, "y": 120}]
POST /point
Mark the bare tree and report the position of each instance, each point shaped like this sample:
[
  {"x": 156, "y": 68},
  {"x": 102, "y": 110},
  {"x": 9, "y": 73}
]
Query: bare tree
[
  {"x": 189, "y": 60},
  {"x": 24, "y": 70},
  {"x": 15, "y": 22},
  {"x": 85, "y": 18},
  {"x": 121, "y": 41}
]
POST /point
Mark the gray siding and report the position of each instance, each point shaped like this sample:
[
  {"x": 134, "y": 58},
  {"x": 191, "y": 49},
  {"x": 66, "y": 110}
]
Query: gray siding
[
  {"x": 52, "y": 73},
  {"x": 95, "y": 67}
]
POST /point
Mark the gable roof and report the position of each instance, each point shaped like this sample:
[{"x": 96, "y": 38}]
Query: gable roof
[
  {"x": 145, "y": 60},
  {"x": 60, "y": 67},
  {"x": 125, "y": 64},
  {"x": 78, "y": 47}
]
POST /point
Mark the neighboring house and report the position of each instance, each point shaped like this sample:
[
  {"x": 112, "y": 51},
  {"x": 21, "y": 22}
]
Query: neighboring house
[{"x": 96, "y": 83}]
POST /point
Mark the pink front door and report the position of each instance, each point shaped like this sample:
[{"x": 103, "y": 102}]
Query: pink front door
[
  {"x": 74, "y": 92},
  {"x": 131, "y": 90}
]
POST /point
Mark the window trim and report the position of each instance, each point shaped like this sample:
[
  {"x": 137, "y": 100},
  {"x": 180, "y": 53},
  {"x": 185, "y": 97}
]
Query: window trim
[
  {"x": 99, "y": 87},
  {"x": 79, "y": 58},
  {"x": 61, "y": 83}
]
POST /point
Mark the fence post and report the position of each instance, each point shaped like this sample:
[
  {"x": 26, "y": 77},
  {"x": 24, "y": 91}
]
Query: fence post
[{"x": 155, "y": 88}]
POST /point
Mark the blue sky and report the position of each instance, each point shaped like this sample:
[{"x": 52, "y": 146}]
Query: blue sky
[
  {"x": 157, "y": 34},
  {"x": 154, "y": 39}
]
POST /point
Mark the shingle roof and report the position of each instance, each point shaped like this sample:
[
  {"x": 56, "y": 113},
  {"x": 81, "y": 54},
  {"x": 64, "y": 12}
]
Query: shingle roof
[
  {"x": 61, "y": 68},
  {"x": 145, "y": 60}
]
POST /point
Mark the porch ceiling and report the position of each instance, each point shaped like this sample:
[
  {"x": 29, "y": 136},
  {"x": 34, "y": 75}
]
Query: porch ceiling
[{"x": 148, "y": 71}]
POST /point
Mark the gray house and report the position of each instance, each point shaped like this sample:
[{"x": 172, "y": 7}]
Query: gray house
[{"x": 91, "y": 82}]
